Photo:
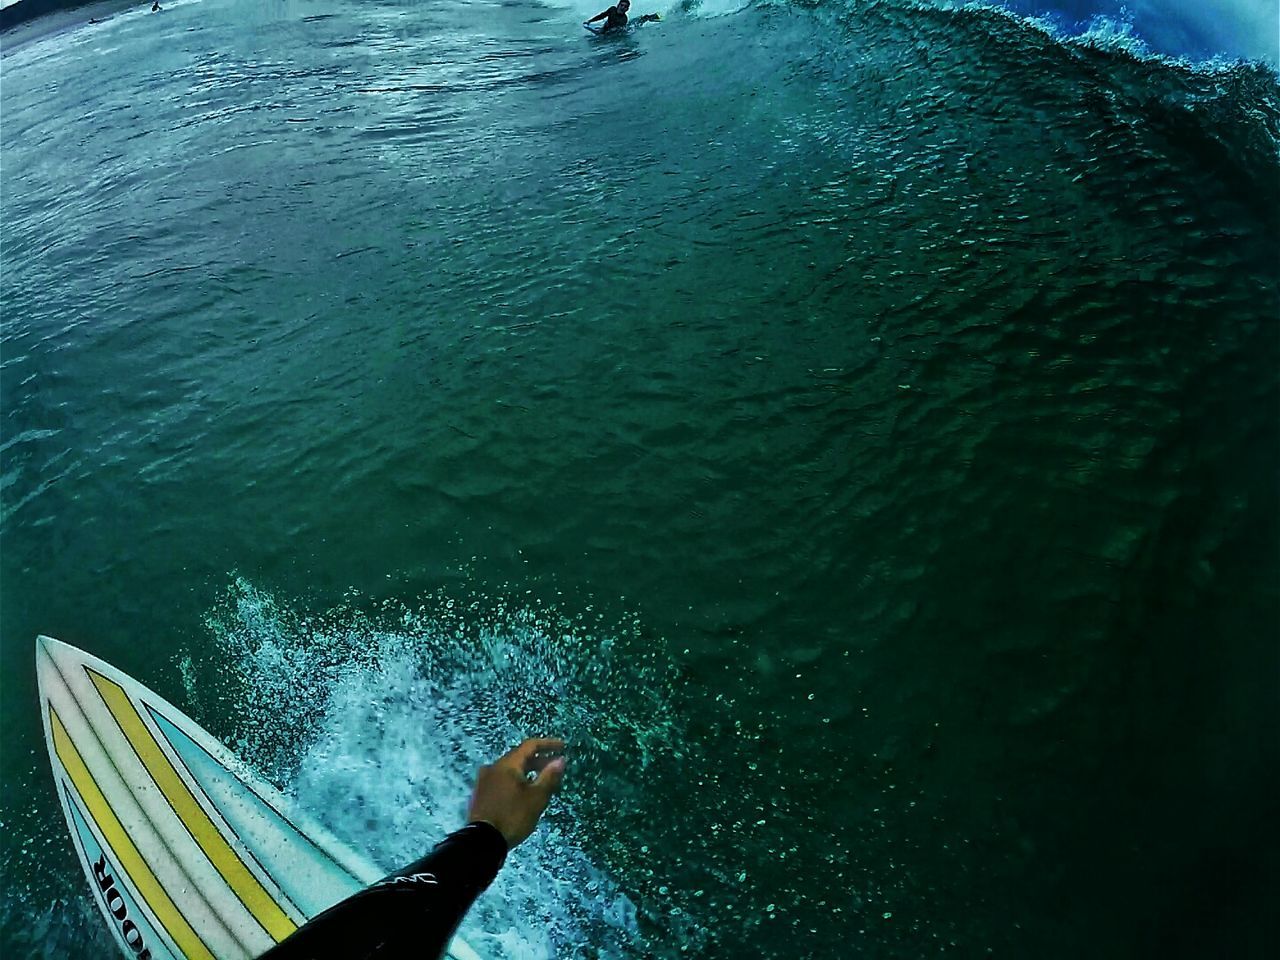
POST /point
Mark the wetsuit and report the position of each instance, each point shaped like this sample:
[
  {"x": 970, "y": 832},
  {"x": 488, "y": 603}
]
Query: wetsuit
[
  {"x": 411, "y": 913},
  {"x": 617, "y": 19}
]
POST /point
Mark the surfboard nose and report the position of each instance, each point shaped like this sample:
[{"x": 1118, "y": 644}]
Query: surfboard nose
[
  {"x": 47, "y": 646},
  {"x": 53, "y": 655},
  {"x": 45, "y": 649}
]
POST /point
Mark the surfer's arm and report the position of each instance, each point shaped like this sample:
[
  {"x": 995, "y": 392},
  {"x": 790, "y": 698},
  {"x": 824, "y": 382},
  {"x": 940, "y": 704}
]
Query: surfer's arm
[
  {"x": 415, "y": 910},
  {"x": 598, "y": 16},
  {"x": 412, "y": 912}
]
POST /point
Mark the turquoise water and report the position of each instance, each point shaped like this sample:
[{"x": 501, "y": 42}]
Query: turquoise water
[{"x": 853, "y": 428}]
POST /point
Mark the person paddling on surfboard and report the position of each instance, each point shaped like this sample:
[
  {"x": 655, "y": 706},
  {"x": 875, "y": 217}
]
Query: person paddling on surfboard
[
  {"x": 616, "y": 18},
  {"x": 414, "y": 911}
]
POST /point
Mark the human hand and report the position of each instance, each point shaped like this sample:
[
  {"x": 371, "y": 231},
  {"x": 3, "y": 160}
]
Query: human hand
[{"x": 507, "y": 799}]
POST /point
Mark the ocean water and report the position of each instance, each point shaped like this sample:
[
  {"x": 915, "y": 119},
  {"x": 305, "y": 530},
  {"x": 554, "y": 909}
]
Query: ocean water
[{"x": 852, "y": 425}]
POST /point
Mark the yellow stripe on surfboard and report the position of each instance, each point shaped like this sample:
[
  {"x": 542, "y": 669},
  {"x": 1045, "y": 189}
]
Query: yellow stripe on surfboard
[
  {"x": 126, "y": 853},
  {"x": 244, "y": 884}
]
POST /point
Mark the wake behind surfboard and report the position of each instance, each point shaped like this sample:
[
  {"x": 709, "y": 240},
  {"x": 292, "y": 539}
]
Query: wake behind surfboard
[{"x": 191, "y": 855}]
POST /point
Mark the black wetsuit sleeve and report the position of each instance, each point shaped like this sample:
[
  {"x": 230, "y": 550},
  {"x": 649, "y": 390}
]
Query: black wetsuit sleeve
[{"x": 411, "y": 913}]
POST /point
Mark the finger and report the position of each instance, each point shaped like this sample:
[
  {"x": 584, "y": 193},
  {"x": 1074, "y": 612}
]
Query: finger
[
  {"x": 520, "y": 757},
  {"x": 551, "y": 777},
  {"x": 539, "y": 761}
]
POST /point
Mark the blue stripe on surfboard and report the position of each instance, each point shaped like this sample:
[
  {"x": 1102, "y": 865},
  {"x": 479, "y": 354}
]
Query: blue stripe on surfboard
[
  {"x": 93, "y": 854},
  {"x": 304, "y": 872}
]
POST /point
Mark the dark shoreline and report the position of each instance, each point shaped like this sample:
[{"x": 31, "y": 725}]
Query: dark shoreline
[{"x": 26, "y": 10}]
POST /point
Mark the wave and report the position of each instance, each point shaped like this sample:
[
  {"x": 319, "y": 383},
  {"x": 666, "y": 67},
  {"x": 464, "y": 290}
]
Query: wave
[
  {"x": 1235, "y": 29},
  {"x": 1194, "y": 34},
  {"x": 1218, "y": 117}
]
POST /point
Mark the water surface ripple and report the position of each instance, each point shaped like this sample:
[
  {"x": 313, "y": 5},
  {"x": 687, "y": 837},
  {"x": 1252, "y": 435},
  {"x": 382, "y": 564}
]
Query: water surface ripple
[{"x": 910, "y": 374}]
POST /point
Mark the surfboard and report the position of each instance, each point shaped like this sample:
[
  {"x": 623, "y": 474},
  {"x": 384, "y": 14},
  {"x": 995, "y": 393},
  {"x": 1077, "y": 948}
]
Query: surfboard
[{"x": 190, "y": 854}]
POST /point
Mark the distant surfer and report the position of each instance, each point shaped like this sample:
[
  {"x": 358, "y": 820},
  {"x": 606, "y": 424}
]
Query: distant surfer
[
  {"x": 413, "y": 912},
  {"x": 155, "y": 7},
  {"x": 615, "y": 18}
]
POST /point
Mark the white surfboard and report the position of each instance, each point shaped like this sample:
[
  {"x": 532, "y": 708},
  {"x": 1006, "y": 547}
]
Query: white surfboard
[{"x": 191, "y": 856}]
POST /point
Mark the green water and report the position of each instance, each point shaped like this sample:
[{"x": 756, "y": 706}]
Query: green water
[{"x": 855, "y": 431}]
